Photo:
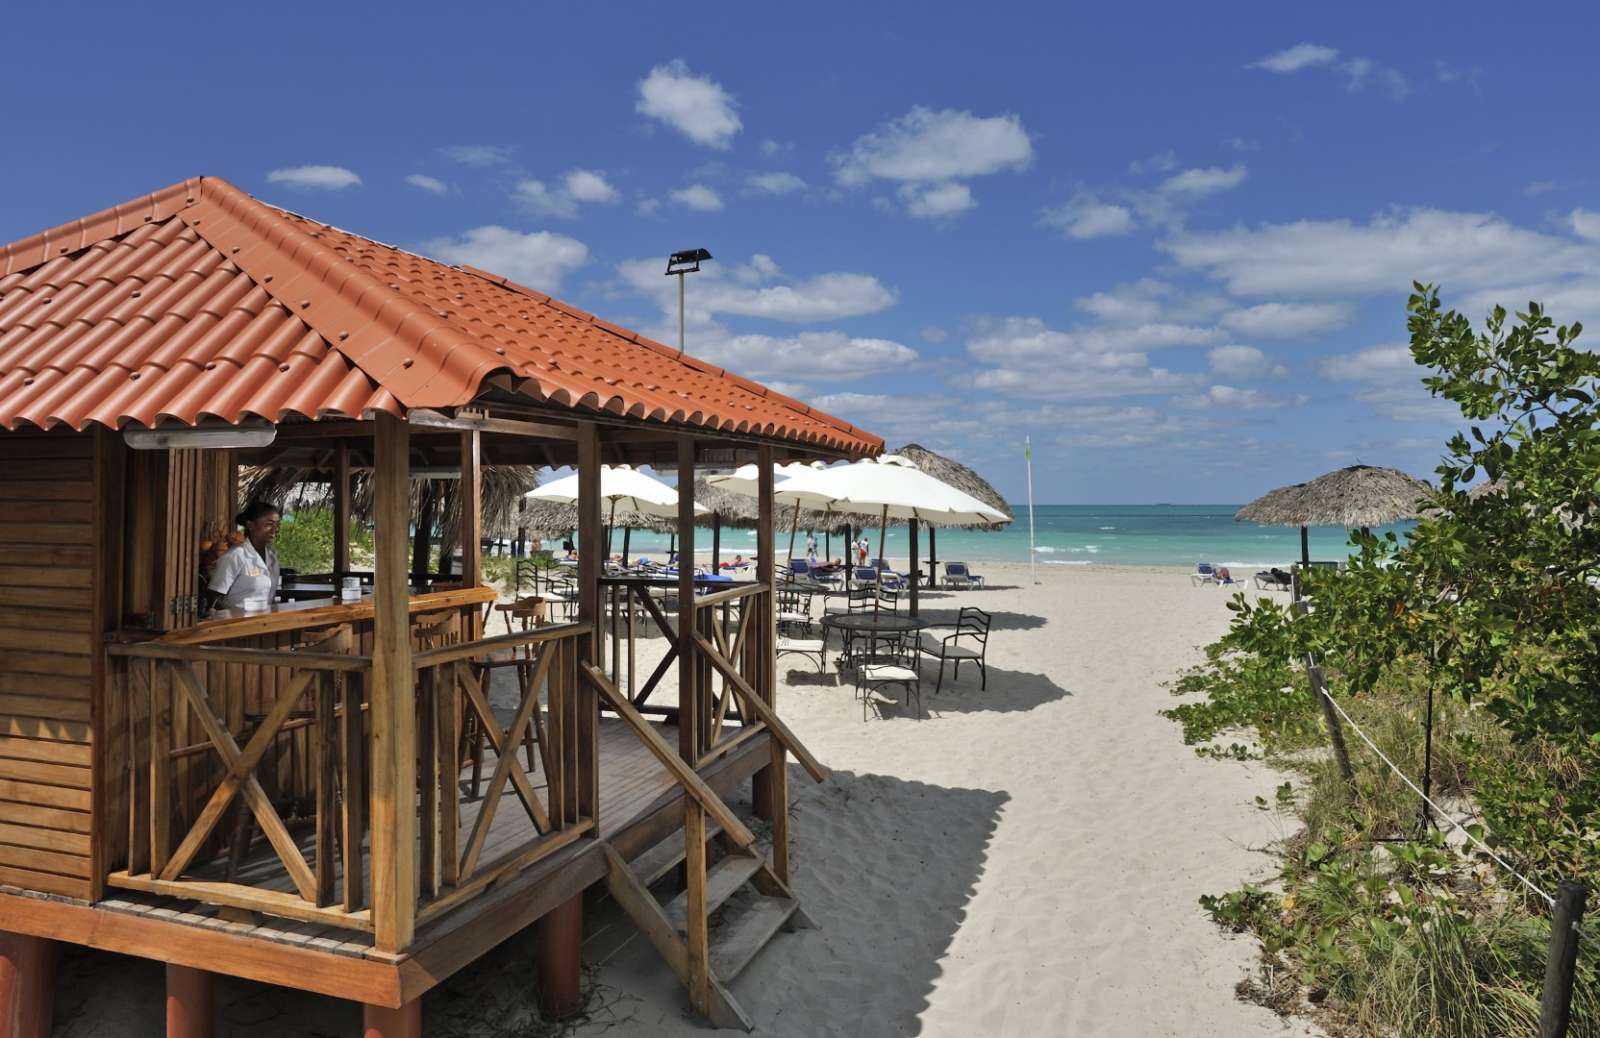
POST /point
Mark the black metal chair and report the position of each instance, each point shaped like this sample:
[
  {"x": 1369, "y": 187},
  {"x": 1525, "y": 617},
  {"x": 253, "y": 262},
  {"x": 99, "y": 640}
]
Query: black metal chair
[
  {"x": 794, "y": 611},
  {"x": 891, "y": 659},
  {"x": 967, "y": 644}
]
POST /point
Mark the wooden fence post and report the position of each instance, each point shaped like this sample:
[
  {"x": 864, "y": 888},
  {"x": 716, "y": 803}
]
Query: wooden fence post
[
  {"x": 1330, "y": 717},
  {"x": 1555, "y": 1009}
]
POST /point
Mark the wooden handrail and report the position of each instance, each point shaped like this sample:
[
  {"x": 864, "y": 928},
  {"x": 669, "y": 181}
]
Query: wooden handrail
[
  {"x": 685, "y": 776},
  {"x": 716, "y": 597},
  {"x": 761, "y": 710},
  {"x": 253, "y": 657},
  {"x": 516, "y": 639}
]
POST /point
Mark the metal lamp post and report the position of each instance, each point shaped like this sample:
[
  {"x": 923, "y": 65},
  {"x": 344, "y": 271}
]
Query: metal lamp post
[{"x": 680, "y": 263}]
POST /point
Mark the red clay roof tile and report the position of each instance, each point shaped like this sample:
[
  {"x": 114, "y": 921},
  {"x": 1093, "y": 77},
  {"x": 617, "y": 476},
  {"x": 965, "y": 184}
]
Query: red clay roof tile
[{"x": 199, "y": 301}]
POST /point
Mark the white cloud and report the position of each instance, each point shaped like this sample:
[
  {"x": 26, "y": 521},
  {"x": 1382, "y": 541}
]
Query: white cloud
[
  {"x": 1361, "y": 73},
  {"x": 1585, "y": 224},
  {"x": 1085, "y": 216},
  {"x": 1243, "y": 362},
  {"x": 1540, "y": 187},
  {"x": 1288, "y": 320},
  {"x": 696, "y": 106},
  {"x": 1293, "y": 59},
  {"x": 480, "y": 155},
  {"x": 577, "y": 187},
  {"x": 1165, "y": 162},
  {"x": 1026, "y": 357},
  {"x": 314, "y": 178},
  {"x": 926, "y": 146},
  {"x": 648, "y": 206},
  {"x": 590, "y": 185},
  {"x": 1374, "y": 364},
  {"x": 770, "y": 147},
  {"x": 931, "y": 201},
  {"x": 697, "y": 197},
  {"x": 432, "y": 185},
  {"x": 1148, "y": 301},
  {"x": 1463, "y": 252},
  {"x": 1197, "y": 183},
  {"x": 538, "y": 259},
  {"x": 1230, "y": 396},
  {"x": 754, "y": 289},
  {"x": 775, "y": 183},
  {"x": 832, "y": 355},
  {"x": 933, "y": 333},
  {"x": 1388, "y": 380}
]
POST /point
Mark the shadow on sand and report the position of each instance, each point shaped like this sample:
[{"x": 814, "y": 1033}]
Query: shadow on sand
[
  {"x": 884, "y": 866},
  {"x": 1000, "y": 620}
]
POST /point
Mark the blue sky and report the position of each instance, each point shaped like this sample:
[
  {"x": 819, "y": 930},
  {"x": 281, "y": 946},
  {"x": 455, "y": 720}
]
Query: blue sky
[{"x": 1171, "y": 245}]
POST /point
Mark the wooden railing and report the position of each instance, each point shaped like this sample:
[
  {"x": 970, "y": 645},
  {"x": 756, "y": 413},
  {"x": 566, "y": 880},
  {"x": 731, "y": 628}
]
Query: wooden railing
[
  {"x": 555, "y": 724},
  {"x": 732, "y": 631},
  {"x": 320, "y": 691},
  {"x": 319, "y": 698}
]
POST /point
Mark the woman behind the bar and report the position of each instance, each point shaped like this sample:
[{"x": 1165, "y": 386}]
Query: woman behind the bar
[{"x": 246, "y": 577}]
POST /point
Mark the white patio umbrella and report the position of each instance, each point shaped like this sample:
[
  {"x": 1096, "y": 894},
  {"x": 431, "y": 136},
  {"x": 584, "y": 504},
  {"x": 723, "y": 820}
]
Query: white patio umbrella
[
  {"x": 893, "y": 487},
  {"x": 745, "y": 480},
  {"x": 619, "y": 484}
]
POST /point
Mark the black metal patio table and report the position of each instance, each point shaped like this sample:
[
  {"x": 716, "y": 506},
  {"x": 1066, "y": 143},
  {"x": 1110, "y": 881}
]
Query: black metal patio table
[{"x": 869, "y": 624}]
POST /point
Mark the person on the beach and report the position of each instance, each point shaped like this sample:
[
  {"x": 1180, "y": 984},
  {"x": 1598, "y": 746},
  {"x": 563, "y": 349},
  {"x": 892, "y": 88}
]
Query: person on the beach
[{"x": 247, "y": 576}]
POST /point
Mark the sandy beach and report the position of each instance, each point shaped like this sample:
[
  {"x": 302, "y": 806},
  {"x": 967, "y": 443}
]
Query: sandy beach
[{"x": 1024, "y": 861}]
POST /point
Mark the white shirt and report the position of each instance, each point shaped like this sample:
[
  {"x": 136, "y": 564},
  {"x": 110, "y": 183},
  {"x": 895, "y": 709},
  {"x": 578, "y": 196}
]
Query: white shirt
[{"x": 245, "y": 579}]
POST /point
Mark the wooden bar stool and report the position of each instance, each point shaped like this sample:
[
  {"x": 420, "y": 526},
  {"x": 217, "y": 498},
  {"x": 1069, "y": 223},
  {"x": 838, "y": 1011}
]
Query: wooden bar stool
[{"x": 524, "y": 614}]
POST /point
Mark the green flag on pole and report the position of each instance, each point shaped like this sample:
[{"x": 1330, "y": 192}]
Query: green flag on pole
[{"x": 1027, "y": 448}]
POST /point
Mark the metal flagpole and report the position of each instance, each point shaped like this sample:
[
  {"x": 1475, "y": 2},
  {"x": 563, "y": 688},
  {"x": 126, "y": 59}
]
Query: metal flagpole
[{"x": 1033, "y": 556}]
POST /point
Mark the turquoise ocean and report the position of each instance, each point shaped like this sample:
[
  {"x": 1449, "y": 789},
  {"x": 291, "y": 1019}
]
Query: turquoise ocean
[{"x": 1116, "y": 535}]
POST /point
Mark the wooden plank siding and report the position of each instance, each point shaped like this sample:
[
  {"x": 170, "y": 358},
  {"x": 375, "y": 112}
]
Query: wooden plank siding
[{"x": 49, "y": 557}]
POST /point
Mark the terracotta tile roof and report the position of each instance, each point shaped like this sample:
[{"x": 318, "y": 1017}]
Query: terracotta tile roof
[{"x": 199, "y": 301}]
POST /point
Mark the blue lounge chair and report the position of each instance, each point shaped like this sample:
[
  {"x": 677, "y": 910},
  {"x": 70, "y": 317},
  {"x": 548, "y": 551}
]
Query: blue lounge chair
[
  {"x": 960, "y": 575},
  {"x": 1204, "y": 573}
]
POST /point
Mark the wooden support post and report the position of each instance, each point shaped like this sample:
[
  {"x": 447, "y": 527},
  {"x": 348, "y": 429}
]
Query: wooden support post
[
  {"x": 696, "y": 923},
  {"x": 383, "y": 1022},
  {"x": 933, "y": 557},
  {"x": 1555, "y": 1008},
  {"x": 341, "y": 510},
  {"x": 585, "y": 796},
  {"x": 471, "y": 513},
  {"x": 716, "y": 542},
  {"x": 27, "y": 984},
  {"x": 765, "y": 785},
  {"x": 560, "y": 935},
  {"x": 393, "y": 699},
  {"x": 190, "y": 1002},
  {"x": 689, "y": 691},
  {"x": 916, "y": 576},
  {"x": 1330, "y": 717}
]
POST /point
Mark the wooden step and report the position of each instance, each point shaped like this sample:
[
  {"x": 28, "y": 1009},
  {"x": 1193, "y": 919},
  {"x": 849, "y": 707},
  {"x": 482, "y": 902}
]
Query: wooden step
[
  {"x": 745, "y": 930},
  {"x": 722, "y": 879},
  {"x": 665, "y": 856}
]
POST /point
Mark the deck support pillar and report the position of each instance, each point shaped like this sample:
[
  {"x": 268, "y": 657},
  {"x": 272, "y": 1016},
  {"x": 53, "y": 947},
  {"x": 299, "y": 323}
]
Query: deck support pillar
[
  {"x": 383, "y": 1022},
  {"x": 768, "y": 794},
  {"x": 190, "y": 1002},
  {"x": 560, "y": 935},
  {"x": 27, "y": 985}
]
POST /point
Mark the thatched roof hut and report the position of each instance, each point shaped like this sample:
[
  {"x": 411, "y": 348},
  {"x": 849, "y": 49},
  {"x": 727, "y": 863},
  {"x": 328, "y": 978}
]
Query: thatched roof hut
[
  {"x": 1354, "y": 496},
  {"x": 948, "y": 470},
  {"x": 291, "y": 487}
]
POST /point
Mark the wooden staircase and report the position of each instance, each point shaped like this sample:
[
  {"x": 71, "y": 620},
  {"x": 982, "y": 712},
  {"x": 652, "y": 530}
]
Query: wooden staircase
[{"x": 679, "y": 927}]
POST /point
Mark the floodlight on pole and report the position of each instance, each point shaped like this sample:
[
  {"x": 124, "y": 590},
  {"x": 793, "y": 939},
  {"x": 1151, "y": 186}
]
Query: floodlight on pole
[{"x": 680, "y": 263}]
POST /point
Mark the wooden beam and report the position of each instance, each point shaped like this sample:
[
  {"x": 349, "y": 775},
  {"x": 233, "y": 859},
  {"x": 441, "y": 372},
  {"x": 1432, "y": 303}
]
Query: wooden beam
[
  {"x": 393, "y": 698},
  {"x": 471, "y": 492},
  {"x": 591, "y": 552},
  {"x": 560, "y": 933},
  {"x": 764, "y": 788},
  {"x": 689, "y": 734},
  {"x": 339, "y": 976},
  {"x": 341, "y": 510},
  {"x": 916, "y": 577}
]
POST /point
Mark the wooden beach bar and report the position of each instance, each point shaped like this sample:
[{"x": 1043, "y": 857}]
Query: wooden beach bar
[{"x": 320, "y": 794}]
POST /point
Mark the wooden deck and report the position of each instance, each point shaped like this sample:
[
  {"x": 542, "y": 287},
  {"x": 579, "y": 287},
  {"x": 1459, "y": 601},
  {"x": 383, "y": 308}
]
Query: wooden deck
[{"x": 639, "y": 808}]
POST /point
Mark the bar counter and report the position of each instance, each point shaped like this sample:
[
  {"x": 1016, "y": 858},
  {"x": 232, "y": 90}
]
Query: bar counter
[{"x": 231, "y": 624}]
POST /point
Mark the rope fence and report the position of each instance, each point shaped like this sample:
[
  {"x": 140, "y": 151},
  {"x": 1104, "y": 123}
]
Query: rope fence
[{"x": 1557, "y": 995}]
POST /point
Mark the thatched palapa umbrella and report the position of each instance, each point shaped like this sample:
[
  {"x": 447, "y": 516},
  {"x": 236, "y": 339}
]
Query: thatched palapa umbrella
[
  {"x": 948, "y": 470},
  {"x": 1358, "y": 496}
]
